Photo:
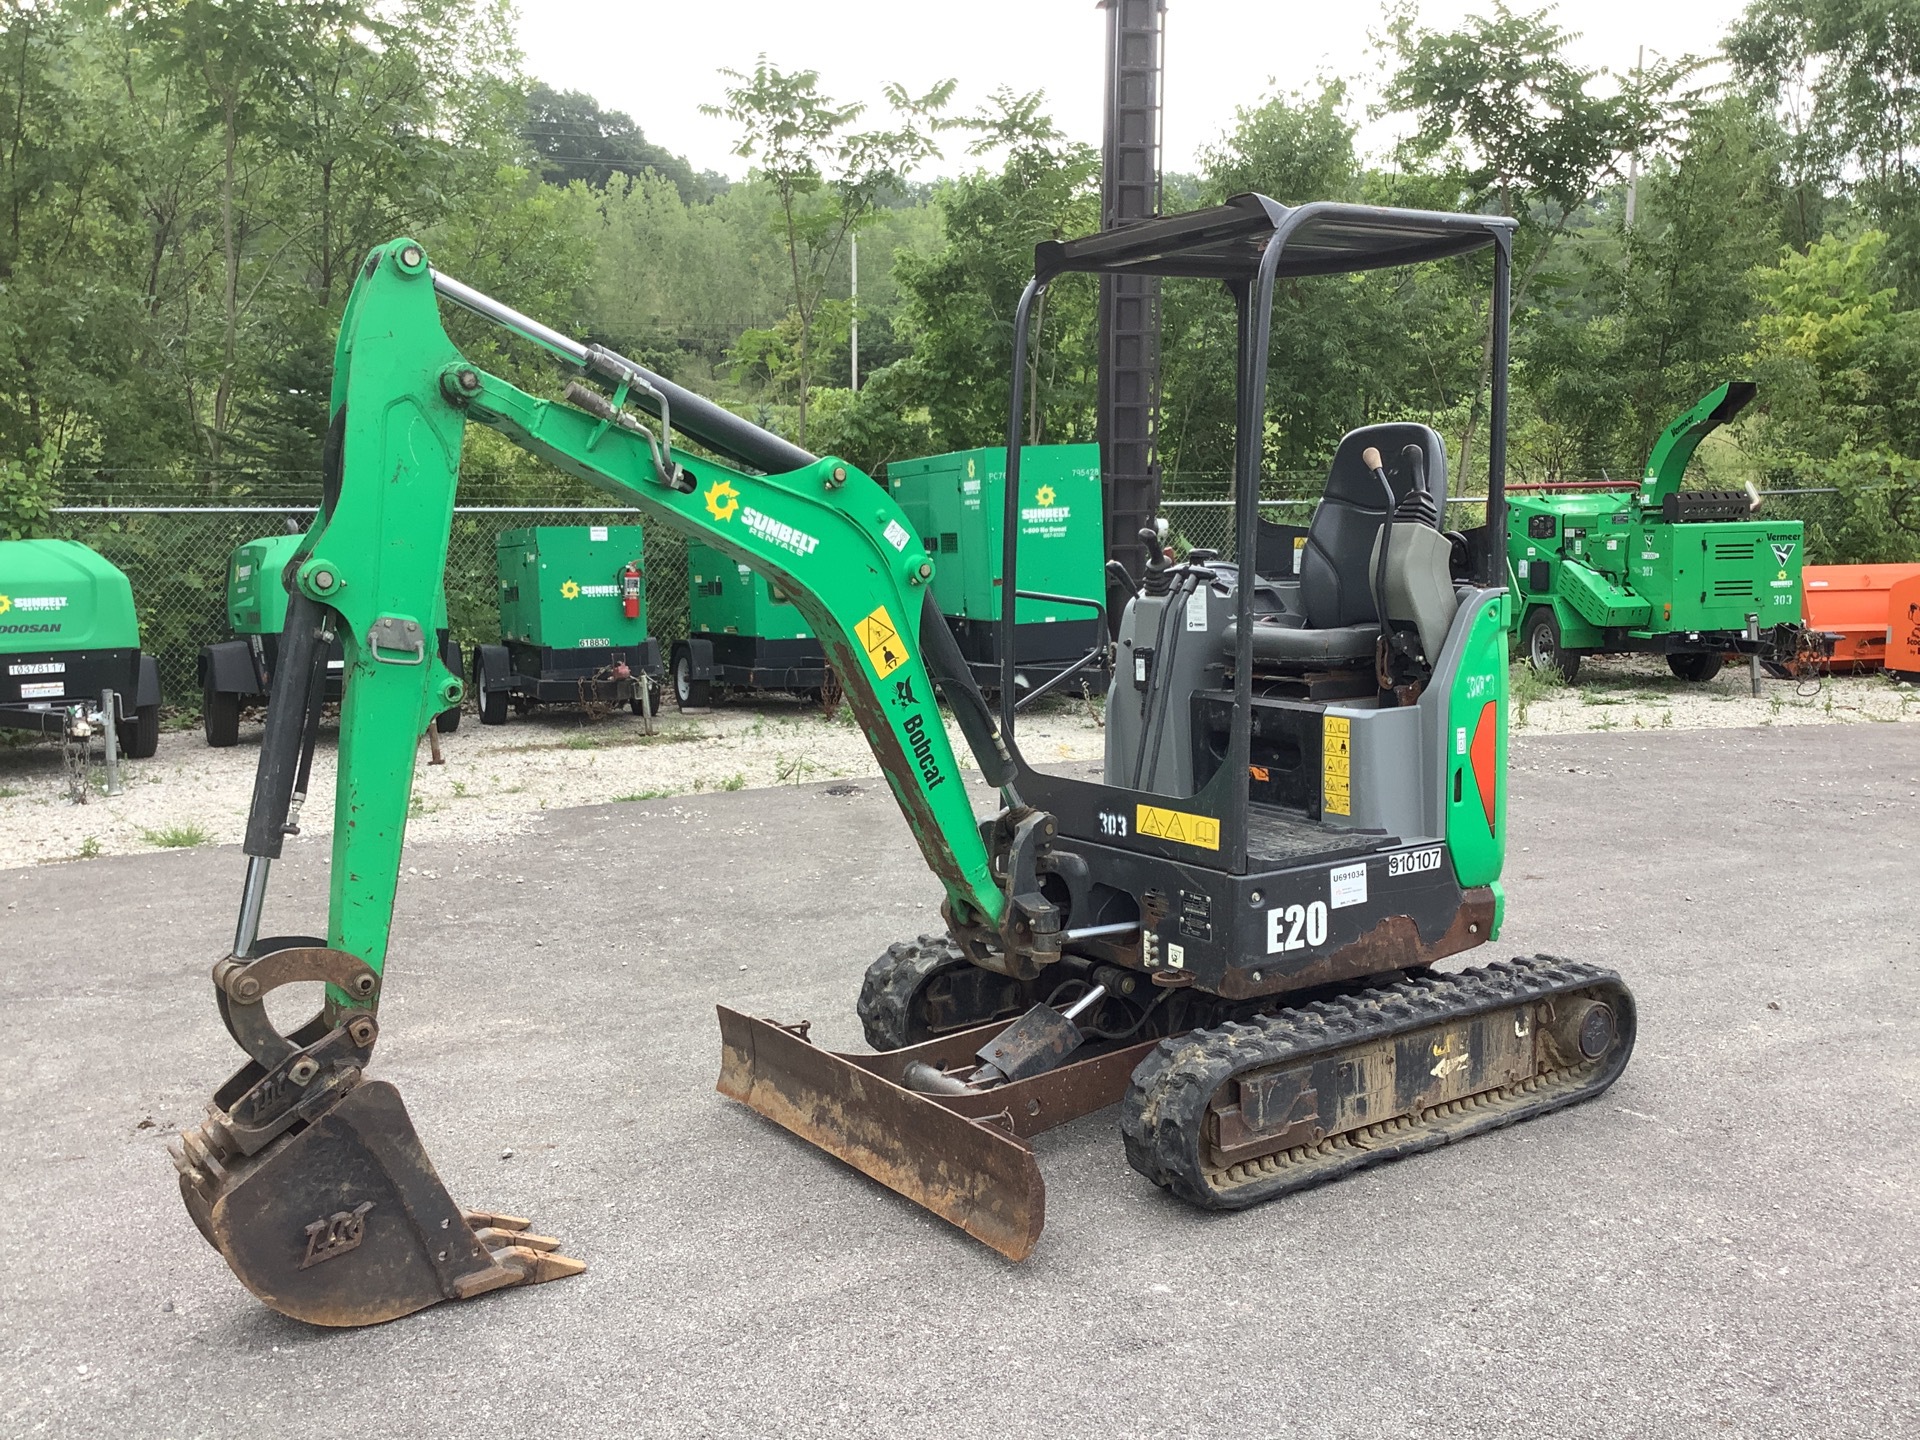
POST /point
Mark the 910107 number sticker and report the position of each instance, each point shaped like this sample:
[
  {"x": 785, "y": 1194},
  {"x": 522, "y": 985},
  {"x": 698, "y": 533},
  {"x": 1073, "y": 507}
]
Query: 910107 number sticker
[{"x": 1414, "y": 862}]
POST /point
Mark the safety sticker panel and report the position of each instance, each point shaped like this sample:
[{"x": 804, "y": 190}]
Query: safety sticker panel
[
  {"x": 1336, "y": 751},
  {"x": 881, "y": 641},
  {"x": 1202, "y": 831}
]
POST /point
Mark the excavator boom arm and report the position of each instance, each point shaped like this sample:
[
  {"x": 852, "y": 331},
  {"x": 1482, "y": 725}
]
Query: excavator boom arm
[{"x": 831, "y": 538}]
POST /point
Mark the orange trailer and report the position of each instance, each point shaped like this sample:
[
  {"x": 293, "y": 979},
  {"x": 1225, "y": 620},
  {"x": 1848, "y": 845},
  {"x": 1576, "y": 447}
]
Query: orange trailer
[{"x": 1874, "y": 610}]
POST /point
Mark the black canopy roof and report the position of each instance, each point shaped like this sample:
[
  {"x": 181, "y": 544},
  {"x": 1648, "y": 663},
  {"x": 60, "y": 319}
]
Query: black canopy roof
[{"x": 1227, "y": 241}]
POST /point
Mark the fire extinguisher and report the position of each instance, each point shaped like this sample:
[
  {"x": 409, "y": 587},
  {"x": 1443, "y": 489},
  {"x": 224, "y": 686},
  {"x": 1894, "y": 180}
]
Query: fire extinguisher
[{"x": 630, "y": 591}]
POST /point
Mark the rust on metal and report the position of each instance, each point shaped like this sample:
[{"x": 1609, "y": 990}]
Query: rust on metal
[
  {"x": 1395, "y": 943},
  {"x": 345, "y": 1222},
  {"x": 964, "y": 1157}
]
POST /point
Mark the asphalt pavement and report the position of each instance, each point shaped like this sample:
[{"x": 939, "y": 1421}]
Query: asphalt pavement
[{"x": 1725, "y": 1243}]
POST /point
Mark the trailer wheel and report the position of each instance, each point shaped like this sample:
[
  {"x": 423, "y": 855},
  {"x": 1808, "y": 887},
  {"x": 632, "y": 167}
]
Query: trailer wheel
[
  {"x": 1544, "y": 652},
  {"x": 220, "y": 716},
  {"x": 447, "y": 721},
  {"x": 689, "y": 693},
  {"x": 1697, "y": 666},
  {"x": 655, "y": 694},
  {"x": 493, "y": 703},
  {"x": 140, "y": 737}
]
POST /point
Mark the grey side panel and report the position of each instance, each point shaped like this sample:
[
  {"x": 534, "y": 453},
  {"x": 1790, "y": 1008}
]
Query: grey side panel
[
  {"x": 1169, "y": 647},
  {"x": 1402, "y": 757}
]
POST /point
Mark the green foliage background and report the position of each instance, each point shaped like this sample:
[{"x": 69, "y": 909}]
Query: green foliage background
[{"x": 186, "y": 187}]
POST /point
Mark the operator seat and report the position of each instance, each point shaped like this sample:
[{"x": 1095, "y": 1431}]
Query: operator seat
[{"x": 1334, "y": 620}]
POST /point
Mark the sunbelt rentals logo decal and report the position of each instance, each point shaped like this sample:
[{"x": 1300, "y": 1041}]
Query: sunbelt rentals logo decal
[
  {"x": 1045, "y": 517},
  {"x": 17, "y": 607},
  {"x": 723, "y": 503},
  {"x": 573, "y": 590},
  {"x": 32, "y": 602}
]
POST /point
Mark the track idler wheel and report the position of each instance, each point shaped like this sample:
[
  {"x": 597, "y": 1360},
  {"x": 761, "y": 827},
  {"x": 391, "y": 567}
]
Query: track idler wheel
[
  {"x": 311, "y": 1181},
  {"x": 923, "y": 988}
]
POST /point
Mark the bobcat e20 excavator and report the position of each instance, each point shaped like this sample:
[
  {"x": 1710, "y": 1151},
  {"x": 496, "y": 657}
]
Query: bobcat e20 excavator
[{"x": 1232, "y": 932}]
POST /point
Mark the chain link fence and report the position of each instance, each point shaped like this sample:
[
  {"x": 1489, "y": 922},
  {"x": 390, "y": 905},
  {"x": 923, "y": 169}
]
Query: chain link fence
[
  {"x": 1208, "y": 524},
  {"x": 176, "y": 558}
]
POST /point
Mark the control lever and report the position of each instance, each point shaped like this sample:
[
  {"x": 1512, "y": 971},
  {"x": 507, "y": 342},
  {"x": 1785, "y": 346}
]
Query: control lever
[{"x": 1370, "y": 457}]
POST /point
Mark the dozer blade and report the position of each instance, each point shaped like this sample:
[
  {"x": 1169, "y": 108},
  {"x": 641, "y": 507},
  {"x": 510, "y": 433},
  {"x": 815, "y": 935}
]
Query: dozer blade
[
  {"x": 344, "y": 1221},
  {"x": 964, "y": 1157}
]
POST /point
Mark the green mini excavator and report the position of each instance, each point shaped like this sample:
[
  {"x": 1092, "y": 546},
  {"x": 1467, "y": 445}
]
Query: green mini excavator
[{"x": 1232, "y": 933}]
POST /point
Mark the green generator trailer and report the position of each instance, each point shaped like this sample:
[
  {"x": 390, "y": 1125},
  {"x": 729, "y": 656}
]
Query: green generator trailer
[
  {"x": 1600, "y": 567},
  {"x": 70, "y": 647},
  {"x": 958, "y": 504},
  {"x": 238, "y": 671},
  {"x": 573, "y": 622},
  {"x": 742, "y": 634}
]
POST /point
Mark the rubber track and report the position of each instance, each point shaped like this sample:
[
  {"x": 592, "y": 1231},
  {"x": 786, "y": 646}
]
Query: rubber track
[
  {"x": 1164, "y": 1112},
  {"x": 894, "y": 981}
]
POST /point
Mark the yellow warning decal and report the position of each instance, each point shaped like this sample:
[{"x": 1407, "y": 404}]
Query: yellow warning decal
[
  {"x": 1336, "y": 765},
  {"x": 881, "y": 642},
  {"x": 1202, "y": 831}
]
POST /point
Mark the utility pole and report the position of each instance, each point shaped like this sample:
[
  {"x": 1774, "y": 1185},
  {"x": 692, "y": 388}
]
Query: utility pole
[
  {"x": 1129, "y": 414},
  {"x": 1633, "y": 158},
  {"x": 853, "y": 334}
]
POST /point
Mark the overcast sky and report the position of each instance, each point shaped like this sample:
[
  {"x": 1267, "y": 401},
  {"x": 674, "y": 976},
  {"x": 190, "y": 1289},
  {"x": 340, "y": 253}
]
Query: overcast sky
[{"x": 657, "y": 62}]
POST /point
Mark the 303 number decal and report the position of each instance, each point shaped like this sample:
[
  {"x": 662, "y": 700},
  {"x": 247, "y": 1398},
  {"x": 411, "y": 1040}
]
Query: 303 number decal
[{"x": 1295, "y": 927}]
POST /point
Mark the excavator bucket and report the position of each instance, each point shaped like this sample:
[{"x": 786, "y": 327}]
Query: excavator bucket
[
  {"x": 315, "y": 1189},
  {"x": 964, "y": 1157}
]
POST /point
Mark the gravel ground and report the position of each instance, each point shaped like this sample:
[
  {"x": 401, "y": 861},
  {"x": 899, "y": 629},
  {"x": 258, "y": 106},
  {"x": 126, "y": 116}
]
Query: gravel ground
[
  {"x": 1638, "y": 692},
  {"x": 495, "y": 780}
]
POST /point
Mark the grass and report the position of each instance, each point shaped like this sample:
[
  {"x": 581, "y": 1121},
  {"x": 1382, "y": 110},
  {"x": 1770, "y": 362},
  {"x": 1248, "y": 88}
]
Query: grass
[
  {"x": 1526, "y": 685},
  {"x": 89, "y": 848},
  {"x": 793, "y": 769},
  {"x": 609, "y": 740},
  {"x": 7, "y": 792},
  {"x": 645, "y": 795},
  {"x": 171, "y": 837}
]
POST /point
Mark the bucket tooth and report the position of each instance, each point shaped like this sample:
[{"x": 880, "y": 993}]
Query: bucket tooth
[{"x": 345, "y": 1222}]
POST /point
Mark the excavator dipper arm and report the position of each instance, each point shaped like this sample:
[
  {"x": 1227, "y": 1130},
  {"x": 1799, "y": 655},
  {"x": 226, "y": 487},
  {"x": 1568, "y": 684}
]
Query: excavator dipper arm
[{"x": 310, "y": 1182}]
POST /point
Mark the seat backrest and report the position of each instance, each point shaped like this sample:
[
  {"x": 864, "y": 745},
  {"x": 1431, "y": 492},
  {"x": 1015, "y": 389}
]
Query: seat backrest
[{"x": 1335, "y": 579}]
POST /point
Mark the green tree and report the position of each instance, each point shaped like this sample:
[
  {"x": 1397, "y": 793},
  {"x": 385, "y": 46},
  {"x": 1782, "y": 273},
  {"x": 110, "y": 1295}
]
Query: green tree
[
  {"x": 575, "y": 139},
  {"x": 827, "y": 175},
  {"x": 960, "y": 300},
  {"x": 1501, "y": 109},
  {"x": 1838, "y": 361},
  {"x": 1845, "y": 77}
]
